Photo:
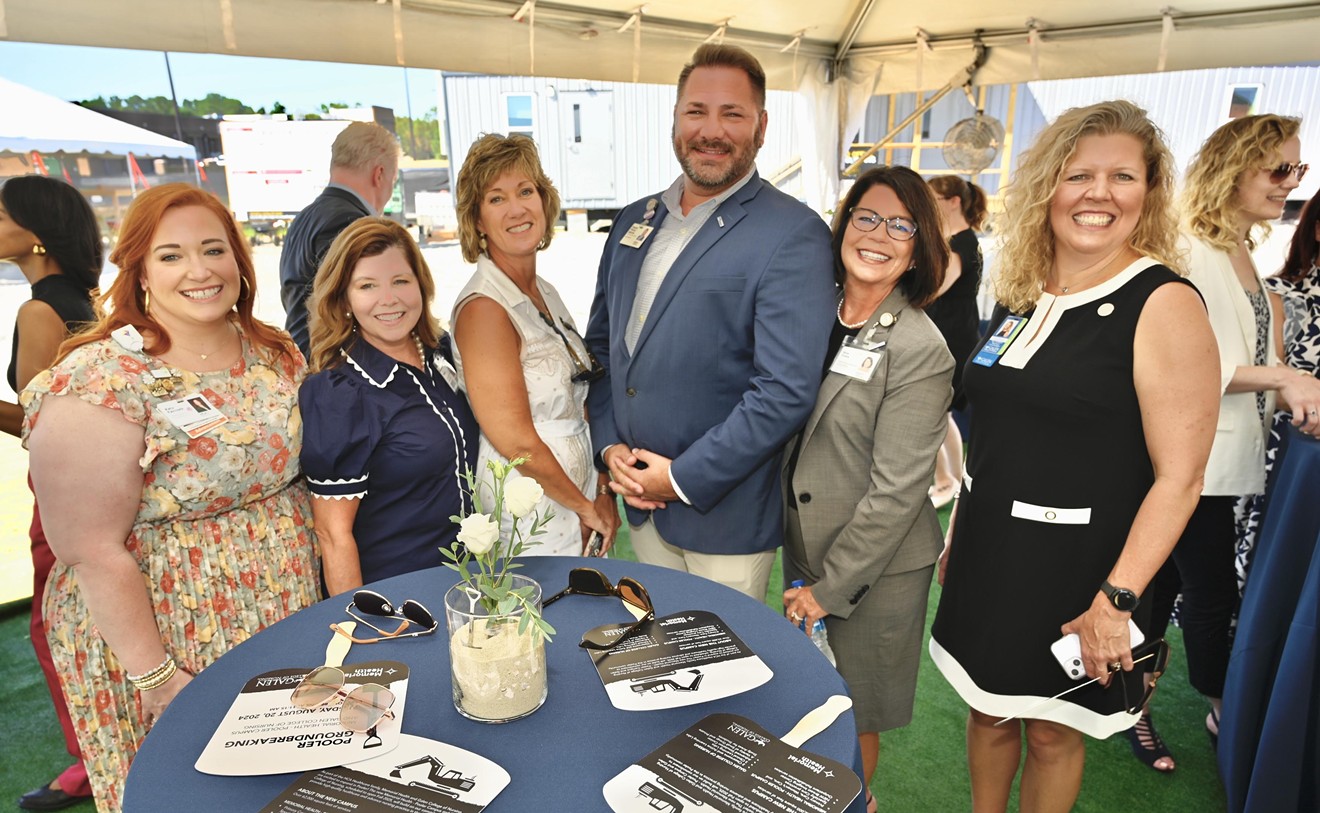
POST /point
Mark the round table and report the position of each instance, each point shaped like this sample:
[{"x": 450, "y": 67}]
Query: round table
[{"x": 559, "y": 757}]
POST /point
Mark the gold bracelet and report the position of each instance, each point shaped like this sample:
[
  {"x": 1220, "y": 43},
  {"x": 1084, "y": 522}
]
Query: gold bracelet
[{"x": 156, "y": 677}]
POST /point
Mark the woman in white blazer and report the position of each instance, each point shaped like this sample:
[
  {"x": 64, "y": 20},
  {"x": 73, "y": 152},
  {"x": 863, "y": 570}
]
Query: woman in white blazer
[{"x": 1236, "y": 184}]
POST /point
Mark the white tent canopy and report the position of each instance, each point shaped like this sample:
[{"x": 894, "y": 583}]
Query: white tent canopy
[
  {"x": 805, "y": 45},
  {"x": 919, "y": 44},
  {"x": 36, "y": 122}
]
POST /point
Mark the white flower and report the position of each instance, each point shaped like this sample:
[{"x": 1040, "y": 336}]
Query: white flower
[
  {"x": 479, "y": 533},
  {"x": 188, "y": 488},
  {"x": 231, "y": 459},
  {"x": 522, "y": 495}
]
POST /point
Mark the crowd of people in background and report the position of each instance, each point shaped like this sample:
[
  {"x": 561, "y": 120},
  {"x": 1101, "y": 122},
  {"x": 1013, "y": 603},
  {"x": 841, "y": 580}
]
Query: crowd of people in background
[{"x": 204, "y": 481}]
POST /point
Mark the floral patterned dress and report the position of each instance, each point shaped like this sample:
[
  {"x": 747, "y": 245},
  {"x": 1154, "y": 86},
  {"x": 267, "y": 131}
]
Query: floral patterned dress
[
  {"x": 223, "y": 534},
  {"x": 1301, "y": 351}
]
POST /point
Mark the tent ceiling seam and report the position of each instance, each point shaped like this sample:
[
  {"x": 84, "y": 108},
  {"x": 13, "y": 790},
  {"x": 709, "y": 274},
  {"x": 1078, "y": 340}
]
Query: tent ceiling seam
[
  {"x": 598, "y": 18},
  {"x": 1143, "y": 25}
]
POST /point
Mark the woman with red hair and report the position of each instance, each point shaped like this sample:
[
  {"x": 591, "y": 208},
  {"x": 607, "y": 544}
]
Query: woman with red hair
[{"x": 169, "y": 480}]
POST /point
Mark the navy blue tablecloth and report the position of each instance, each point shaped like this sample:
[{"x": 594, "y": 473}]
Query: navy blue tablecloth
[
  {"x": 1269, "y": 757},
  {"x": 561, "y": 756}
]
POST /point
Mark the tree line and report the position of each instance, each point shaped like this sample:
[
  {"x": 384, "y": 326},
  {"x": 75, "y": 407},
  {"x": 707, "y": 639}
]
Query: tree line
[{"x": 420, "y": 137}]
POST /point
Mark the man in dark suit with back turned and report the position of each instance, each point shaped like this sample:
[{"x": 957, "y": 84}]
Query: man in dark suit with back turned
[
  {"x": 364, "y": 163},
  {"x": 712, "y": 314}
]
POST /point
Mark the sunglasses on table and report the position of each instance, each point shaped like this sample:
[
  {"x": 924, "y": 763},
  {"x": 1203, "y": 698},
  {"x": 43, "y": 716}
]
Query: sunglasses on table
[
  {"x": 899, "y": 228},
  {"x": 586, "y": 581},
  {"x": 374, "y": 604},
  {"x": 362, "y": 708},
  {"x": 1280, "y": 173}
]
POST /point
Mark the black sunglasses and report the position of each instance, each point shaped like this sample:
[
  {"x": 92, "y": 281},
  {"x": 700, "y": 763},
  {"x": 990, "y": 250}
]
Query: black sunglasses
[
  {"x": 584, "y": 372},
  {"x": 1280, "y": 173},
  {"x": 1158, "y": 650},
  {"x": 374, "y": 604},
  {"x": 586, "y": 581}
]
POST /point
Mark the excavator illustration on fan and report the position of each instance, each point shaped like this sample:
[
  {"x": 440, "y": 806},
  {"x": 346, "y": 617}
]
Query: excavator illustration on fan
[
  {"x": 662, "y": 796},
  {"x": 446, "y": 783},
  {"x": 666, "y": 682}
]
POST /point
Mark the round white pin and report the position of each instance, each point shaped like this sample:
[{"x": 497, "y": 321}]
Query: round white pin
[
  {"x": 1105, "y": 309},
  {"x": 886, "y": 319}
]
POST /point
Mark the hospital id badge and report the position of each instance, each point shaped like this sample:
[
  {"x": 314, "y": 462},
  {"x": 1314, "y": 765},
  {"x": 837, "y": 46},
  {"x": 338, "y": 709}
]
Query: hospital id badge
[
  {"x": 857, "y": 361},
  {"x": 194, "y": 414},
  {"x": 637, "y": 234},
  {"x": 997, "y": 344}
]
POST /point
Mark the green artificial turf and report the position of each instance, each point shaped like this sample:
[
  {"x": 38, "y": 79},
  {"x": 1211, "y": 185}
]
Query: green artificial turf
[{"x": 922, "y": 767}]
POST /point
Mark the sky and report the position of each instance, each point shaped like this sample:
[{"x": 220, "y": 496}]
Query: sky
[{"x": 74, "y": 72}]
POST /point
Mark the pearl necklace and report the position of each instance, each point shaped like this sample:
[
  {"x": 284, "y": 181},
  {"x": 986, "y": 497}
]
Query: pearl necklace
[
  {"x": 838, "y": 313},
  {"x": 421, "y": 354}
]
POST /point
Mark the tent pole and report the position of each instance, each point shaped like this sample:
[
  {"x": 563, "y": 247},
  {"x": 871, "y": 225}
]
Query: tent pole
[{"x": 963, "y": 77}]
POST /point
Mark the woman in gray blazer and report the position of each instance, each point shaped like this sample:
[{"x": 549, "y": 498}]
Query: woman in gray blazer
[{"x": 861, "y": 531}]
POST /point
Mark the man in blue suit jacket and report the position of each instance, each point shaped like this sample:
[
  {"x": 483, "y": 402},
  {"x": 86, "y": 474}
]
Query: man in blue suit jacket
[{"x": 711, "y": 318}]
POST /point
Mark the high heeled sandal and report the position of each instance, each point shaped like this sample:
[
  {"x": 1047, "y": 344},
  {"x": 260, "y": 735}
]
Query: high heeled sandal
[
  {"x": 1147, "y": 744},
  {"x": 1214, "y": 735}
]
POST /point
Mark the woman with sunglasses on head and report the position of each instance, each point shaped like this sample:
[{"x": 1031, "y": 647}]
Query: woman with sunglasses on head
[
  {"x": 522, "y": 362},
  {"x": 49, "y": 231},
  {"x": 954, "y": 311},
  {"x": 1093, "y": 407},
  {"x": 861, "y": 531},
  {"x": 387, "y": 437},
  {"x": 178, "y": 534},
  {"x": 1236, "y": 184}
]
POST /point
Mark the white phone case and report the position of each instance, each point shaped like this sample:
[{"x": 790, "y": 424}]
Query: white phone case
[{"x": 1068, "y": 651}]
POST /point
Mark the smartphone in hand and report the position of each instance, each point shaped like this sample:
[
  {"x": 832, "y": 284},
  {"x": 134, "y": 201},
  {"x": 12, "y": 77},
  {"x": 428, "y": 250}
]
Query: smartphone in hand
[{"x": 594, "y": 543}]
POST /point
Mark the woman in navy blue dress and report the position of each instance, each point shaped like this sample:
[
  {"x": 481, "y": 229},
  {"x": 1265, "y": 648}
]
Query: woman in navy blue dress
[{"x": 386, "y": 436}]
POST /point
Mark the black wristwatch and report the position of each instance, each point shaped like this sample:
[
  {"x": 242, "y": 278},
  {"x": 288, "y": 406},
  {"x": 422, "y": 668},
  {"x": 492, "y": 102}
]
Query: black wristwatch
[{"x": 1124, "y": 600}]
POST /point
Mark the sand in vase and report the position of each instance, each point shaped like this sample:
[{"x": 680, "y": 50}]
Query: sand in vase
[{"x": 498, "y": 673}]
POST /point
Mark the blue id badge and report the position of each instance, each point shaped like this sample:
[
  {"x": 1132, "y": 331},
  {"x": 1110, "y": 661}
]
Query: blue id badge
[{"x": 998, "y": 343}]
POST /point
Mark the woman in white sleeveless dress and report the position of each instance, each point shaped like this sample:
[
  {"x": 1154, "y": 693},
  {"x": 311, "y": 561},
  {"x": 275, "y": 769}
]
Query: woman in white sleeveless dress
[{"x": 522, "y": 363}]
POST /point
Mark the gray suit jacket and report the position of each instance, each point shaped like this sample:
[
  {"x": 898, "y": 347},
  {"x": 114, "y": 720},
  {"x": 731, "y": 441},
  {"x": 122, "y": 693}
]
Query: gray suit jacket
[{"x": 866, "y": 461}]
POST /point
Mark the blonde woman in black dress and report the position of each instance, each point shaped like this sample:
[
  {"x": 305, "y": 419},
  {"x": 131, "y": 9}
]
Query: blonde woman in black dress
[{"x": 1092, "y": 423}]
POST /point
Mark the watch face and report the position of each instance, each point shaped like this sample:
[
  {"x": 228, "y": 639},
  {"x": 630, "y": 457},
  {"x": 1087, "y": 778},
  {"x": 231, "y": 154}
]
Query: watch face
[{"x": 1124, "y": 600}]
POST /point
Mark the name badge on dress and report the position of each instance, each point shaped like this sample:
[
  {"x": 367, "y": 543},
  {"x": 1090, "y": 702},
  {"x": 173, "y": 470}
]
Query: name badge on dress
[
  {"x": 857, "y": 361},
  {"x": 194, "y": 414},
  {"x": 999, "y": 341}
]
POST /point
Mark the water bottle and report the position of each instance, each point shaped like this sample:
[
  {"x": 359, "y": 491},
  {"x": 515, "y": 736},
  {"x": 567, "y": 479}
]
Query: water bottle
[{"x": 818, "y": 636}]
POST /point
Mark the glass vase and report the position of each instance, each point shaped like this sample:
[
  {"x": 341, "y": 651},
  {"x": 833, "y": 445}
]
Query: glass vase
[{"x": 498, "y": 672}]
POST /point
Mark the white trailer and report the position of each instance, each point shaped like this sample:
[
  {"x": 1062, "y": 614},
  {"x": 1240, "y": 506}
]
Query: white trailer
[
  {"x": 604, "y": 144},
  {"x": 275, "y": 167}
]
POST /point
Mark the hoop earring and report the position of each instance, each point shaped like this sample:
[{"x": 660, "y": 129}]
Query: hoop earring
[
  {"x": 244, "y": 289},
  {"x": 39, "y": 250},
  {"x": 146, "y": 301}
]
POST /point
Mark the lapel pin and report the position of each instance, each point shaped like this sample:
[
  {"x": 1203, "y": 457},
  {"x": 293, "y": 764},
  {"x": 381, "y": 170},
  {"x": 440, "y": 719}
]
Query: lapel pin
[
  {"x": 720, "y": 221},
  {"x": 886, "y": 319},
  {"x": 650, "y": 209}
]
